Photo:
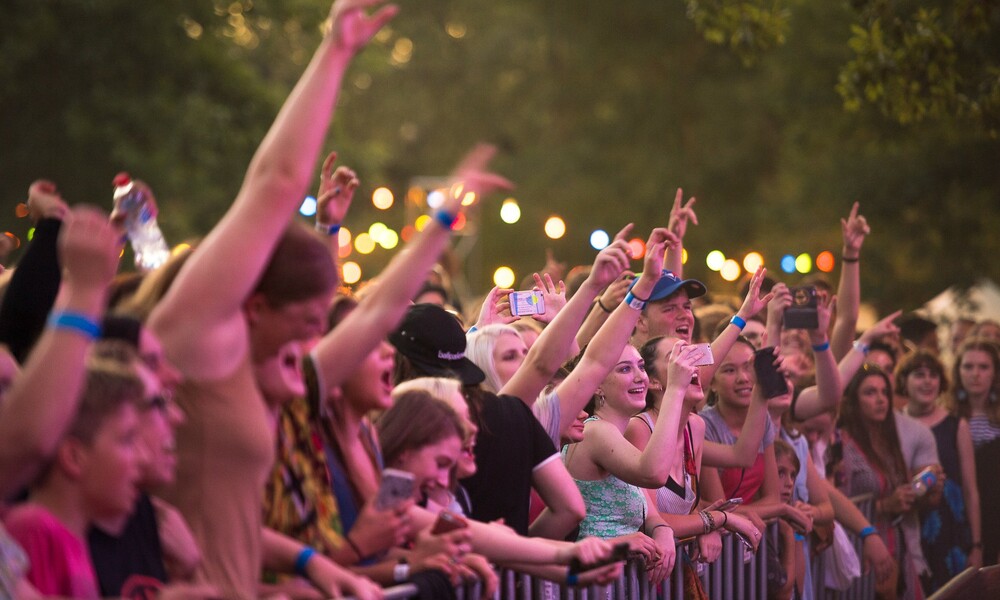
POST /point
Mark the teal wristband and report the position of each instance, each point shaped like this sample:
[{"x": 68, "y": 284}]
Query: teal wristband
[
  {"x": 822, "y": 347},
  {"x": 867, "y": 531},
  {"x": 572, "y": 579},
  {"x": 738, "y": 321},
  {"x": 447, "y": 221},
  {"x": 303, "y": 560},
  {"x": 77, "y": 322},
  {"x": 634, "y": 302}
]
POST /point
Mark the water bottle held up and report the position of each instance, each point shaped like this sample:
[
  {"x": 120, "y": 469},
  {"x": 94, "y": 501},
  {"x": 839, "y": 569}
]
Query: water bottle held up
[{"x": 139, "y": 211}]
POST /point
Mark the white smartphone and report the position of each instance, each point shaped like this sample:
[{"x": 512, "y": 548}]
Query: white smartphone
[
  {"x": 396, "y": 487},
  {"x": 524, "y": 304}
]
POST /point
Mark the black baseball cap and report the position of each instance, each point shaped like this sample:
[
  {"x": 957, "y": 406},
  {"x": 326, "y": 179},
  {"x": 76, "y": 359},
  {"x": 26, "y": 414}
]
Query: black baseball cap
[{"x": 434, "y": 343}]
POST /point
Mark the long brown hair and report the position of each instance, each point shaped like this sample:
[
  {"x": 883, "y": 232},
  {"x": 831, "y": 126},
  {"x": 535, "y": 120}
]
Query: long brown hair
[
  {"x": 957, "y": 402},
  {"x": 416, "y": 419},
  {"x": 851, "y": 421}
]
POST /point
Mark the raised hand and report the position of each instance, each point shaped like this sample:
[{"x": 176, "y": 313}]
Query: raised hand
[
  {"x": 680, "y": 215},
  {"x": 656, "y": 247},
  {"x": 496, "y": 308},
  {"x": 89, "y": 248},
  {"x": 854, "y": 229},
  {"x": 553, "y": 295},
  {"x": 882, "y": 328},
  {"x": 44, "y": 201},
  {"x": 754, "y": 302},
  {"x": 351, "y": 28},
  {"x": 612, "y": 261},
  {"x": 471, "y": 176},
  {"x": 336, "y": 191}
]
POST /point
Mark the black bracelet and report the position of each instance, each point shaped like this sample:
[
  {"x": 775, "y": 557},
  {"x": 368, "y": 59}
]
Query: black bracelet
[
  {"x": 604, "y": 308},
  {"x": 850, "y": 260},
  {"x": 658, "y": 526},
  {"x": 637, "y": 297}
]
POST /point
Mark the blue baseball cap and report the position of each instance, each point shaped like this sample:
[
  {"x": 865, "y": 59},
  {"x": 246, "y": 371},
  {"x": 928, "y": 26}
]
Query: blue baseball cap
[{"x": 669, "y": 284}]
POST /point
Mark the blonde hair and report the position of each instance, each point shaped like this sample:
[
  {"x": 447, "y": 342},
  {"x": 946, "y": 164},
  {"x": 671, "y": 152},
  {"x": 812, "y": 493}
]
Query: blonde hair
[{"x": 479, "y": 349}]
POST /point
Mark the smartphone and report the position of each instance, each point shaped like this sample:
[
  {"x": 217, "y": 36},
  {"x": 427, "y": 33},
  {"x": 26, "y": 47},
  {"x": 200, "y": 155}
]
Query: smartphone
[
  {"x": 618, "y": 554},
  {"x": 704, "y": 353},
  {"x": 395, "y": 488},
  {"x": 448, "y": 521},
  {"x": 771, "y": 381},
  {"x": 728, "y": 504},
  {"x": 802, "y": 313},
  {"x": 523, "y": 304}
]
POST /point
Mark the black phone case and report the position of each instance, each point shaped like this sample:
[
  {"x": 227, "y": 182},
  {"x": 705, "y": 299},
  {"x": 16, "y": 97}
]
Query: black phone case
[{"x": 771, "y": 381}]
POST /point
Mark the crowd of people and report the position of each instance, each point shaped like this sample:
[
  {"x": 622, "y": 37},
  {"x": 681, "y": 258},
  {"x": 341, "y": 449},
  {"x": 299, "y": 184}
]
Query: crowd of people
[{"x": 235, "y": 424}]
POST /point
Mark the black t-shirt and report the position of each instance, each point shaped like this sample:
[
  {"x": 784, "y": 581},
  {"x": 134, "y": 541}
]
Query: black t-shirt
[
  {"x": 510, "y": 445},
  {"x": 130, "y": 565}
]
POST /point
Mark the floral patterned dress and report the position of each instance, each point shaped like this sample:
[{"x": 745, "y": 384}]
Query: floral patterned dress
[
  {"x": 614, "y": 507},
  {"x": 944, "y": 529}
]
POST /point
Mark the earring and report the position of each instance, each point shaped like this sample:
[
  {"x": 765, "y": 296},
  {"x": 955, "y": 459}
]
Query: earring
[
  {"x": 600, "y": 399},
  {"x": 993, "y": 397},
  {"x": 961, "y": 395}
]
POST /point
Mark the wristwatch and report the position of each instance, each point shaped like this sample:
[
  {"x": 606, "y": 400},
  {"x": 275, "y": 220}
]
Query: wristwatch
[{"x": 401, "y": 572}]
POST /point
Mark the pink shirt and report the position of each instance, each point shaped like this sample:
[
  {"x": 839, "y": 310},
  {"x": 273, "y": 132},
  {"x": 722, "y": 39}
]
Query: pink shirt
[{"x": 60, "y": 564}]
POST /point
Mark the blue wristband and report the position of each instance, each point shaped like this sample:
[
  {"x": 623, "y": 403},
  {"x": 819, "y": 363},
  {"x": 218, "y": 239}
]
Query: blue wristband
[
  {"x": 447, "y": 221},
  {"x": 302, "y": 560},
  {"x": 572, "y": 579},
  {"x": 738, "y": 321},
  {"x": 78, "y": 322},
  {"x": 867, "y": 531},
  {"x": 328, "y": 229},
  {"x": 634, "y": 302},
  {"x": 822, "y": 347}
]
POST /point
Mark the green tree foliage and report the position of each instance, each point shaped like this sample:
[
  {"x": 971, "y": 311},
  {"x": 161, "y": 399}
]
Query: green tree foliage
[{"x": 601, "y": 110}]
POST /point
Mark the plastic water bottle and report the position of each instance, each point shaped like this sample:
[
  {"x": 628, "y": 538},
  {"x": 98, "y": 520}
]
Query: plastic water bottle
[
  {"x": 148, "y": 245},
  {"x": 923, "y": 482}
]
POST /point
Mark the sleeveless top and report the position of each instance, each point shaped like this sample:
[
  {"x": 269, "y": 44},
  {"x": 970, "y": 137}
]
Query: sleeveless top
[
  {"x": 673, "y": 498},
  {"x": 225, "y": 450},
  {"x": 614, "y": 507}
]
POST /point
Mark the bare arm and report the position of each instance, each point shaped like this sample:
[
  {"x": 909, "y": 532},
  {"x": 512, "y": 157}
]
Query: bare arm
[
  {"x": 200, "y": 319},
  {"x": 752, "y": 305},
  {"x": 612, "y": 297},
  {"x": 43, "y": 400},
  {"x": 564, "y": 504},
  {"x": 854, "y": 229},
  {"x": 826, "y": 394},
  {"x": 744, "y": 452},
  {"x": 970, "y": 486},
  {"x": 680, "y": 215},
  {"x": 340, "y": 351},
  {"x": 281, "y": 553},
  {"x": 552, "y": 347}
]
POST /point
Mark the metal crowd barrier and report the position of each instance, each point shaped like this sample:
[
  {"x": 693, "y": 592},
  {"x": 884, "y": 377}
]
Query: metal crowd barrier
[{"x": 736, "y": 575}]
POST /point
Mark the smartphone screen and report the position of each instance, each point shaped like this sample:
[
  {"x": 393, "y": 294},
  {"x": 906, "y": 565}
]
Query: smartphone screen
[{"x": 526, "y": 303}]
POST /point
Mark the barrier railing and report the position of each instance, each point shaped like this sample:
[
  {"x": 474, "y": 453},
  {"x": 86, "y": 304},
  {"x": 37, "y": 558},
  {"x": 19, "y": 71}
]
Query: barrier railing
[{"x": 736, "y": 575}]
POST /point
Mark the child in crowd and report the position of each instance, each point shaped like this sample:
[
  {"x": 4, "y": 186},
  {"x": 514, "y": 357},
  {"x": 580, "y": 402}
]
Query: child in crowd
[
  {"x": 789, "y": 583},
  {"x": 93, "y": 476}
]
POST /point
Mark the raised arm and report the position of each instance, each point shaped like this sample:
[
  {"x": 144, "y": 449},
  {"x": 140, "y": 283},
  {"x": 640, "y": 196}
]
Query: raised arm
[
  {"x": 680, "y": 214},
  {"x": 854, "y": 229},
  {"x": 41, "y": 404},
  {"x": 825, "y": 395},
  {"x": 604, "y": 350},
  {"x": 850, "y": 364},
  {"x": 340, "y": 351},
  {"x": 603, "y": 307},
  {"x": 35, "y": 283},
  {"x": 200, "y": 319},
  {"x": 752, "y": 305},
  {"x": 552, "y": 348},
  {"x": 744, "y": 452},
  {"x": 608, "y": 448}
]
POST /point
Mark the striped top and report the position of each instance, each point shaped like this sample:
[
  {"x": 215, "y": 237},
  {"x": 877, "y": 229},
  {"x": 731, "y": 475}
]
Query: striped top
[{"x": 982, "y": 430}]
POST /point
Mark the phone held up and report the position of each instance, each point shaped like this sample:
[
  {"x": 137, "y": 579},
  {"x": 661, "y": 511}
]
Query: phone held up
[
  {"x": 525, "y": 304},
  {"x": 802, "y": 313}
]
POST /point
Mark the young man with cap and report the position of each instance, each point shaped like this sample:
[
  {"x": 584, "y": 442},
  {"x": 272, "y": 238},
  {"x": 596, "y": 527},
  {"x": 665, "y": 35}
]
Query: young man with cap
[
  {"x": 668, "y": 313},
  {"x": 513, "y": 452}
]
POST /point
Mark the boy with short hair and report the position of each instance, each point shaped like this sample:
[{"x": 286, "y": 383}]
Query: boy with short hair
[{"x": 93, "y": 476}]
